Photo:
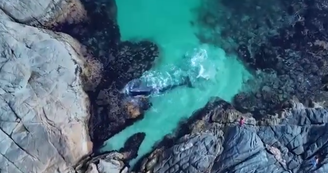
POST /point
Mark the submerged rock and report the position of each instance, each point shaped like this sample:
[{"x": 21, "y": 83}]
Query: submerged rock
[
  {"x": 43, "y": 122},
  {"x": 296, "y": 58},
  {"x": 289, "y": 142},
  {"x": 282, "y": 43}
]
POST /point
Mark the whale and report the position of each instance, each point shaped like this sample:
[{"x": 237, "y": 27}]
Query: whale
[
  {"x": 140, "y": 87},
  {"x": 190, "y": 72}
]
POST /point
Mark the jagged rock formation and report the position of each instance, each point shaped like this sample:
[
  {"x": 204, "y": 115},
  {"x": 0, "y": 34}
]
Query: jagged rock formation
[
  {"x": 216, "y": 142},
  {"x": 43, "y": 122}
]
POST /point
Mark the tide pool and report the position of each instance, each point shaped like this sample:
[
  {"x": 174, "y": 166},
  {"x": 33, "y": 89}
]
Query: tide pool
[{"x": 171, "y": 25}]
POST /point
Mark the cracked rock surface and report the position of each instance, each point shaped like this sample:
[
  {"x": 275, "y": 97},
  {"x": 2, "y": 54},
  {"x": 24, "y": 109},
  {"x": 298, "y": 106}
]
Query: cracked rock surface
[
  {"x": 42, "y": 13},
  {"x": 44, "y": 109},
  {"x": 216, "y": 142}
]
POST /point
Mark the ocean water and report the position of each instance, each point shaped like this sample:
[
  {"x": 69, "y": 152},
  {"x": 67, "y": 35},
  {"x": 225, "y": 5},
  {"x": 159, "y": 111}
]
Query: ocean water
[{"x": 171, "y": 24}]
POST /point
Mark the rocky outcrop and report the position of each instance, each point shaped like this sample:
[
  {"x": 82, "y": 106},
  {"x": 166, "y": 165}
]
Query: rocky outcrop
[
  {"x": 45, "y": 13},
  {"x": 112, "y": 161},
  {"x": 109, "y": 162},
  {"x": 43, "y": 122},
  {"x": 219, "y": 142}
]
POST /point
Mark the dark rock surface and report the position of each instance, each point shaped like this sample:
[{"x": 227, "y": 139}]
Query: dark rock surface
[
  {"x": 283, "y": 43},
  {"x": 121, "y": 62},
  {"x": 218, "y": 143}
]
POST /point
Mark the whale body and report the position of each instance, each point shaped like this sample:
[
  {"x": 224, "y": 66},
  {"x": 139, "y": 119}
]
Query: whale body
[
  {"x": 189, "y": 72},
  {"x": 155, "y": 83}
]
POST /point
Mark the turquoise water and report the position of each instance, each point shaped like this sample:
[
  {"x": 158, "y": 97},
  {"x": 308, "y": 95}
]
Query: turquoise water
[{"x": 170, "y": 23}]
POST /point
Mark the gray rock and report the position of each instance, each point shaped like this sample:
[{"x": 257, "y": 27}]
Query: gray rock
[
  {"x": 193, "y": 153},
  {"x": 43, "y": 105},
  {"x": 43, "y": 13},
  {"x": 288, "y": 145}
]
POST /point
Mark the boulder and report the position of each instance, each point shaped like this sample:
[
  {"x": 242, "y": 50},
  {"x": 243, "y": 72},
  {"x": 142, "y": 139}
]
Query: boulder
[{"x": 44, "y": 110}]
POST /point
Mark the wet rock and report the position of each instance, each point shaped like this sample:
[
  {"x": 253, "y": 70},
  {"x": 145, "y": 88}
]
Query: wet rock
[
  {"x": 131, "y": 61},
  {"x": 43, "y": 122},
  {"x": 98, "y": 31},
  {"x": 113, "y": 113},
  {"x": 290, "y": 142},
  {"x": 132, "y": 144},
  {"x": 112, "y": 161},
  {"x": 118, "y": 62},
  {"x": 245, "y": 55}
]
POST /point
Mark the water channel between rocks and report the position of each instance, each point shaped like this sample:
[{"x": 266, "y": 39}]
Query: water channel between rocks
[{"x": 170, "y": 24}]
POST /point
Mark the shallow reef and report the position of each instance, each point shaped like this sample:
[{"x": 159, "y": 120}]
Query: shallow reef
[{"x": 282, "y": 44}]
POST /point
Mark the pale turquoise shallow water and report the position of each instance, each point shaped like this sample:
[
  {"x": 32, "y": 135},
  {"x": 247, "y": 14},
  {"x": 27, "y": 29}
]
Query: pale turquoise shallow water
[{"x": 168, "y": 23}]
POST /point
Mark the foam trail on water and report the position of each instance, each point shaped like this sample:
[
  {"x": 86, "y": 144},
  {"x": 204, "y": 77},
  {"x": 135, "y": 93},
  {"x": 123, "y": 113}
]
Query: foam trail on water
[
  {"x": 195, "y": 68},
  {"x": 161, "y": 80}
]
